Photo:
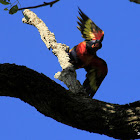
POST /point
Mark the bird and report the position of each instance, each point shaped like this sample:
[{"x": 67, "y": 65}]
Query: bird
[{"x": 84, "y": 54}]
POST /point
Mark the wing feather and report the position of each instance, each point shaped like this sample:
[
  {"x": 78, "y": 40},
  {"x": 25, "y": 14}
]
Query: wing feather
[
  {"x": 96, "y": 72},
  {"x": 89, "y": 30}
]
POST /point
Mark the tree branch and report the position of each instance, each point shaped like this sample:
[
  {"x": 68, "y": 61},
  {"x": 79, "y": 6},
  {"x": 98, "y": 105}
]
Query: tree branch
[
  {"x": 68, "y": 75},
  {"x": 41, "y": 5},
  {"x": 136, "y": 1},
  {"x": 52, "y": 100}
]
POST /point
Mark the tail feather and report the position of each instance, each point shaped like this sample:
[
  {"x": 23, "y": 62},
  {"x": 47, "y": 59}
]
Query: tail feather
[
  {"x": 88, "y": 88},
  {"x": 90, "y": 84}
]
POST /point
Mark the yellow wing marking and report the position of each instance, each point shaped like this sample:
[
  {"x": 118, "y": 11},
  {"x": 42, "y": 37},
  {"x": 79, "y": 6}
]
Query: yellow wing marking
[
  {"x": 92, "y": 79},
  {"x": 87, "y": 30}
]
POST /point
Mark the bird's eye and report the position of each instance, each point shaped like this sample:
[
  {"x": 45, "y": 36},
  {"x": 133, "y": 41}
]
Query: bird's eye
[{"x": 96, "y": 45}]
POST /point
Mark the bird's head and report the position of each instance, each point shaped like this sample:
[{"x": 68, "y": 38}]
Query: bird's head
[
  {"x": 97, "y": 44},
  {"x": 93, "y": 45},
  {"x": 97, "y": 40}
]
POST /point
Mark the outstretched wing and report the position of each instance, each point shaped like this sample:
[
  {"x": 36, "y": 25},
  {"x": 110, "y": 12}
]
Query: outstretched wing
[
  {"x": 96, "y": 73},
  {"x": 89, "y": 30}
]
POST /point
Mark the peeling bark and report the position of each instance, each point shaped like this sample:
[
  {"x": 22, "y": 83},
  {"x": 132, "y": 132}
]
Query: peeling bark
[
  {"x": 76, "y": 110},
  {"x": 68, "y": 75}
]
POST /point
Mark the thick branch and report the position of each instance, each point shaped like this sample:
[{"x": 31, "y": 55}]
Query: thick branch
[
  {"x": 41, "y": 5},
  {"x": 68, "y": 75},
  {"x": 52, "y": 100}
]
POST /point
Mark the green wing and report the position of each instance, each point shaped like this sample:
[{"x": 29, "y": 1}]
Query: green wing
[{"x": 96, "y": 73}]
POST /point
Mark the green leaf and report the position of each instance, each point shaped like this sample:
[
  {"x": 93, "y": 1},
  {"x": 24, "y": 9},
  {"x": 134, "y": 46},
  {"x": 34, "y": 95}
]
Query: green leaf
[
  {"x": 4, "y": 2},
  {"x": 6, "y": 9},
  {"x": 26, "y": 17},
  {"x": 13, "y": 10}
]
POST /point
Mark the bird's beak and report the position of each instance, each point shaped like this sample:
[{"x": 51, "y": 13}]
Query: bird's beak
[
  {"x": 97, "y": 45},
  {"x": 102, "y": 37}
]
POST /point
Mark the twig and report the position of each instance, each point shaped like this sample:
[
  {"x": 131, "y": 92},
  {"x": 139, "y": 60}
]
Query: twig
[{"x": 41, "y": 5}]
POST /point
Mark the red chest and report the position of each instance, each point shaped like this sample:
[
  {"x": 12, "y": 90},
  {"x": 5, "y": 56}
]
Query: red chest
[{"x": 82, "y": 53}]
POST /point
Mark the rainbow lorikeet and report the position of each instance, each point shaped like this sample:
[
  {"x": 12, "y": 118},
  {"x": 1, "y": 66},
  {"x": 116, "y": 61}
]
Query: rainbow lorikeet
[{"x": 84, "y": 55}]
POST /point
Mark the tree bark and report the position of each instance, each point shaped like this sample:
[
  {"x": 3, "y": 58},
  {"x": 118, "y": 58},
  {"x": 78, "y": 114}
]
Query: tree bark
[
  {"x": 68, "y": 74},
  {"x": 76, "y": 110}
]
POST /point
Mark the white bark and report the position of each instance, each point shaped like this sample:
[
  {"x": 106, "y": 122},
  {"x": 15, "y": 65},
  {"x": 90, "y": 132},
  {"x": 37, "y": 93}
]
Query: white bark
[{"x": 68, "y": 74}]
